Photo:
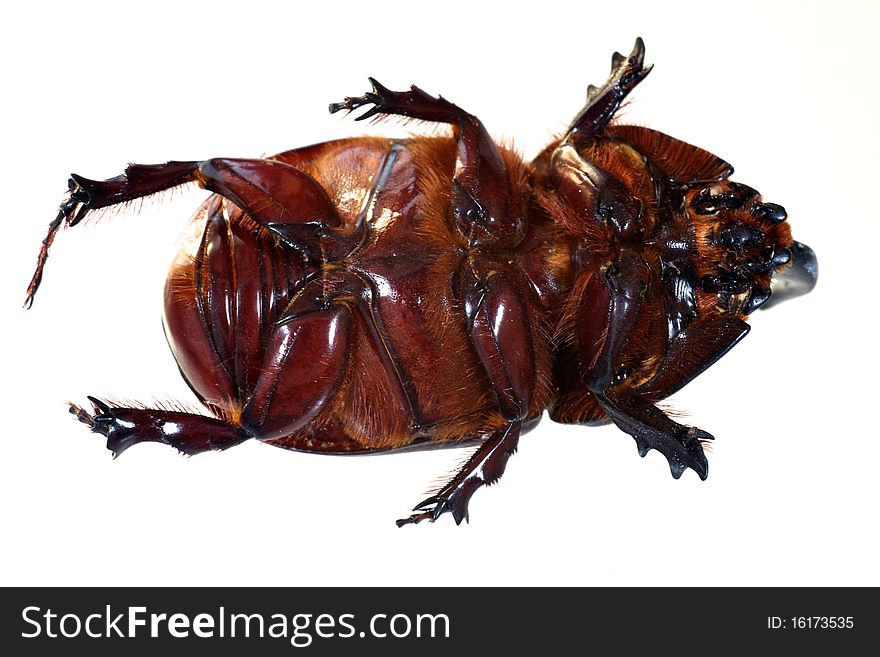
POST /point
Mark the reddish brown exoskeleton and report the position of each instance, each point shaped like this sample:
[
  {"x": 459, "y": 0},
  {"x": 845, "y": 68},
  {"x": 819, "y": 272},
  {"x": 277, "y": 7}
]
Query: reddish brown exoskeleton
[{"x": 372, "y": 294}]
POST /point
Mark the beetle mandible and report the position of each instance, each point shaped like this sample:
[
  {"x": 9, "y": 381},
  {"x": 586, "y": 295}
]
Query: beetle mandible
[{"x": 373, "y": 294}]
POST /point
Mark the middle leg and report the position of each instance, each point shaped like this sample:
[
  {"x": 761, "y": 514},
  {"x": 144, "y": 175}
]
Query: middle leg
[
  {"x": 499, "y": 330},
  {"x": 484, "y": 467},
  {"x": 483, "y": 207}
]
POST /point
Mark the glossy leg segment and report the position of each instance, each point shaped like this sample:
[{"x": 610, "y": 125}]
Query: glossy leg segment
[
  {"x": 695, "y": 349},
  {"x": 602, "y": 103},
  {"x": 610, "y": 310},
  {"x": 281, "y": 198},
  {"x": 482, "y": 205},
  {"x": 483, "y": 468},
  {"x": 188, "y": 432},
  {"x": 498, "y": 325},
  {"x": 692, "y": 351},
  {"x": 652, "y": 429},
  {"x": 499, "y": 329},
  {"x": 304, "y": 363}
]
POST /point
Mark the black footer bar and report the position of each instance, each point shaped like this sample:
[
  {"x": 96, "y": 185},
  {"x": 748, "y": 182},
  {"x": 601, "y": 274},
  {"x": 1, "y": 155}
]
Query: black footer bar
[{"x": 430, "y": 621}]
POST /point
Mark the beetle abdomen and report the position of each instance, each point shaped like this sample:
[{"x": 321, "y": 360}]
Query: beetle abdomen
[
  {"x": 228, "y": 284},
  {"x": 412, "y": 372}
]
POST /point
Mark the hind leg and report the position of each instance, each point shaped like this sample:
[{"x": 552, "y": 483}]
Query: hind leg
[
  {"x": 302, "y": 367},
  {"x": 255, "y": 335},
  {"x": 188, "y": 432},
  {"x": 286, "y": 201}
]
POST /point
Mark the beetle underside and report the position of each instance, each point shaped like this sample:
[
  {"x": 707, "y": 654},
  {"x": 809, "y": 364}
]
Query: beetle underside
[{"x": 371, "y": 294}]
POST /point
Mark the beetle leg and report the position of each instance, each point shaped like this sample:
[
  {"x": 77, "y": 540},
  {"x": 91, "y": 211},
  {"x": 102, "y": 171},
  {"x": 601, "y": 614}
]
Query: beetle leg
[
  {"x": 304, "y": 363},
  {"x": 610, "y": 310},
  {"x": 499, "y": 329},
  {"x": 285, "y": 200},
  {"x": 188, "y": 432},
  {"x": 603, "y": 102},
  {"x": 652, "y": 429},
  {"x": 693, "y": 350},
  {"x": 273, "y": 379},
  {"x": 414, "y": 103},
  {"x": 498, "y": 325},
  {"x": 482, "y": 206},
  {"x": 483, "y": 468}
]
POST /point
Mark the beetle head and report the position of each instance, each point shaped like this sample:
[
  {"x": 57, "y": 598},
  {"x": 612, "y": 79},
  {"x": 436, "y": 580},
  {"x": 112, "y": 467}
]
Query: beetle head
[
  {"x": 746, "y": 252},
  {"x": 717, "y": 242}
]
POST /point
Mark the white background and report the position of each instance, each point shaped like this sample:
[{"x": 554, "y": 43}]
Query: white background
[{"x": 786, "y": 92}]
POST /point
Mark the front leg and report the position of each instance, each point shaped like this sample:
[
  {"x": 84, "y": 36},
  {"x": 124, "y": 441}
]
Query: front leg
[
  {"x": 652, "y": 429},
  {"x": 603, "y": 102},
  {"x": 610, "y": 310},
  {"x": 482, "y": 205}
]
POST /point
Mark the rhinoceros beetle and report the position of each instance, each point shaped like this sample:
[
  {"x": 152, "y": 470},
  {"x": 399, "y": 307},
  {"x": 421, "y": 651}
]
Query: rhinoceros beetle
[{"x": 373, "y": 294}]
